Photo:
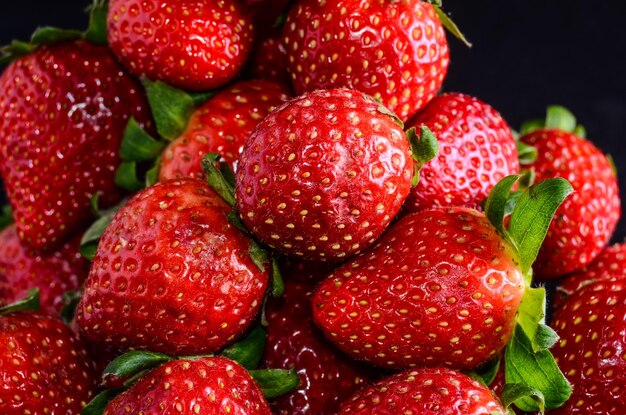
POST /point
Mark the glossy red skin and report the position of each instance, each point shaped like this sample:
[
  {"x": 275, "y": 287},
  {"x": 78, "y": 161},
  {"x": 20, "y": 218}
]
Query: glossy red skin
[
  {"x": 610, "y": 265},
  {"x": 171, "y": 275},
  {"x": 440, "y": 289},
  {"x": 208, "y": 385},
  {"x": 54, "y": 273},
  {"x": 476, "y": 150},
  {"x": 394, "y": 51},
  {"x": 434, "y": 391},
  {"x": 584, "y": 223},
  {"x": 191, "y": 44},
  {"x": 327, "y": 376},
  {"x": 43, "y": 367},
  {"x": 221, "y": 125},
  {"x": 322, "y": 176},
  {"x": 269, "y": 60},
  {"x": 592, "y": 350},
  {"x": 79, "y": 101}
]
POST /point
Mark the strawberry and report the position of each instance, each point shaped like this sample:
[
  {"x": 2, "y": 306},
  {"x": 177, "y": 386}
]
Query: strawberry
[
  {"x": 208, "y": 385},
  {"x": 172, "y": 275},
  {"x": 592, "y": 351},
  {"x": 221, "y": 125},
  {"x": 326, "y": 376},
  {"x": 476, "y": 150},
  {"x": 45, "y": 369},
  {"x": 585, "y": 223},
  {"x": 424, "y": 392},
  {"x": 266, "y": 13},
  {"x": 323, "y": 175},
  {"x": 63, "y": 107},
  {"x": 192, "y": 44},
  {"x": 609, "y": 265},
  {"x": 269, "y": 60},
  {"x": 54, "y": 273},
  {"x": 394, "y": 51}
]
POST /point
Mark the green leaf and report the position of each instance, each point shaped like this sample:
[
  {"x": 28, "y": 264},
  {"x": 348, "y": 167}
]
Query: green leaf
[
  {"x": 386, "y": 111},
  {"x": 235, "y": 220},
  {"x": 171, "y": 108},
  {"x": 71, "y": 300},
  {"x": 495, "y": 205},
  {"x": 200, "y": 98},
  {"x": 249, "y": 351},
  {"x": 152, "y": 175},
  {"x": 424, "y": 147},
  {"x": 259, "y": 255},
  {"x": 450, "y": 26},
  {"x": 91, "y": 237},
  {"x": 6, "y": 216},
  {"x": 532, "y": 216},
  {"x": 435, "y": 2},
  {"x": 99, "y": 403},
  {"x": 527, "y": 154},
  {"x": 97, "y": 30},
  {"x": 512, "y": 202},
  {"x": 134, "y": 362},
  {"x": 532, "y": 126},
  {"x": 276, "y": 382},
  {"x": 527, "y": 179},
  {"x": 278, "y": 285},
  {"x": 537, "y": 370},
  {"x": 515, "y": 391},
  {"x": 560, "y": 118},
  {"x": 138, "y": 145},
  {"x": 14, "y": 50},
  {"x": 611, "y": 161},
  {"x": 580, "y": 131},
  {"x": 216, "y": 179},
  {"x": 487, "y": 373},
  {"x": 126, "y": 177},
  {"x": 50, "y": 35},
  {"x": 531, "y": 317},
  {"x": 30, "y": 302}
]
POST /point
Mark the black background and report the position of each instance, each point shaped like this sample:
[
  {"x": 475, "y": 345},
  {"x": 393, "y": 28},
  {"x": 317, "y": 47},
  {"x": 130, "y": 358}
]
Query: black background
[{"x": 526, "y": 55}]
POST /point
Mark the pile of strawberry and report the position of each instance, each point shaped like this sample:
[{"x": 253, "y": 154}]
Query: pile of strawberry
[{"x": 265, "y": 206}]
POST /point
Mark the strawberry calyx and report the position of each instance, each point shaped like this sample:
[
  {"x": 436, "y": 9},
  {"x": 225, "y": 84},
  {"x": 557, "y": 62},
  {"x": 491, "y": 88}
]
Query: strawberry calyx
[
  {"x": 424, "y": 147},
  {"x": 6, "y": 216},
  {"x": 557, "y": 117},
  {"x": 91, "y": 237},
  {"x": 96, "y": 33},
  {"x": 448, "y": 23},
  {"x": 29, "y": 302},
  {"x": 70, "y": 301}
]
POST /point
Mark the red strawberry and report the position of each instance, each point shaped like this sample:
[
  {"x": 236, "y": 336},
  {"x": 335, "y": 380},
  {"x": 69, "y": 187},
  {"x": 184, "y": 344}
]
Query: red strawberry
[
  {"x": 592, "y": 351},
  {"x": 191, "y": 44},
  {"x": 172, "y": 275},
  {"x": 326, "y": 376},
  {"x": 441, "y": 288},
  {"x": 44, "y": 368},
  {"x": 424, "y": 392},
  {"x": 208, "y": 385},
  {"x": 269, "y": 61},
  {"x": 394, "y": 51},
  {"x": 53, "y": 273},
  {"x": 586, "y": 221},
  {"x": 323, "y": 176},
  {"x": 63, "y": 106},
  {"x": 476, "y": 150},
  {"x": 609, "y": 265},
  {"x": 221, "y": 125}
]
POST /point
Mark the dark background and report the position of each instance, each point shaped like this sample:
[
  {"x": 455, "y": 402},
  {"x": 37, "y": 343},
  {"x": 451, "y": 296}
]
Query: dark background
[{"x": 526, "y": 55}]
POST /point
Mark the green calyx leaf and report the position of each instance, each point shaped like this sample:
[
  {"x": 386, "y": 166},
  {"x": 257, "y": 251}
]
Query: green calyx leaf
[
  {"x": 126, "y": 177},
  {"x": 437, "y": 3},
  {"x": 496, "y": 203},
  {"x": 486, "y": 374},
  {"x": 557, "y": 117},
  {"x": 536, "y": 370},
  {"x": 70, "y": 301},
  {"x": 611, "y": 161},
  {"x": 513, "y": 392},
  {"x": 259, "y": 255},
  {"x": 134, "y": 362},
  {"x": 14, "y": 50},
  {"x": 249, "y": 351},
  {"x": 216, "y": 178},
  {"x": 6, "y": 216},
  {"x": 386, "y": 111},
  {"x": 91, "y": 237},
  {"x": 97, "y": 30},
  {"x": 30, "y": 302},
  {"x": 276, "y": 382},
  {"x": 531, "y": 318},
  {"x": 171, "y": 108},
  {"x": 278, "y": 285},
  {"x": 138, "y": 145},
  {"x": 424, "y": 147},
  {"x": 50, "y": 35},
  {"x": 531, "y": 126},
  {"x": 201, "y": 97},
  {"x": 450, "y": 26},
  {"x": 527, "y": 154},
  {"x": 99, "y": 403}
]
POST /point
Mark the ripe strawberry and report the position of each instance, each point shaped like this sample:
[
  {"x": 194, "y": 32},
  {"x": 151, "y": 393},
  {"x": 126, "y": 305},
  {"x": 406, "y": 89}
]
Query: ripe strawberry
[
  {"x": 323, "y": 175},
  {"x": 53, "y": 273},
  {"x": 63, "y": 107},
  {"x": 476, "y": 150},
  {"x": 444, "y": 276},
  {"x": 394, "y": 51},
  {"x": 269, "y": 61},
  {"x": 172, "y": 275},
  {"x": 326, "y": 376},
  {"x": 192, "y": 44},
  {"x": 609, "y": 265},
  {"x": 424, "y": 392},
  {"x": 586, "y": 221},
  {"x": 208, "y": 385},
  {"x": 221, "y": 125},
  {"x": 44, "y": 368},
  {"x": 592, "y": 351}
]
